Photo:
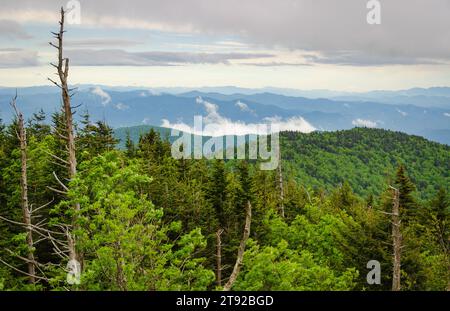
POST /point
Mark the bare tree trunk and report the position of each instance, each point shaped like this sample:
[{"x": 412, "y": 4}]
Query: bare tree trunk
[
  {"x": 63, "y": 73},
  {"x": 280, "y": 173},
  {"x": 120, "y": 276},
  {"x": 219, "y": 257},
  {"x": 241, "y": 250},
  {"x": 397, "y": 241},
  {"x": 22, "y": 136}
]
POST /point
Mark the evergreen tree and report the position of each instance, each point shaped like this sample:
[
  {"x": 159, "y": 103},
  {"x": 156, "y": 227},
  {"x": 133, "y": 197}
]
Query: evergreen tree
[
  {"x": 130, "y": 147},
  {"x": 217, "y": 190},
  {"x": 126, "y": 245},
  {"x": 408, "y": 205},
  {"x": 439, "y": 219},
  {"x": 95, "y": 138}
]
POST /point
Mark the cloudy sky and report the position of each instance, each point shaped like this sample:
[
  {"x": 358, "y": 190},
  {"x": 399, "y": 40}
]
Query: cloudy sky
[{"x": 302, "y": 44}]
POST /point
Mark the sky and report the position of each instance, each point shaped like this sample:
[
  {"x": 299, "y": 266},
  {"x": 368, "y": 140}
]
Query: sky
[{"x": 299, "y": 44}]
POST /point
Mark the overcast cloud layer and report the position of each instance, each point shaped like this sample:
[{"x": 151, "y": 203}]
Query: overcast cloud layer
[
  {"x": 308, "y": 44},
  {"x": 412, "y": 31}
]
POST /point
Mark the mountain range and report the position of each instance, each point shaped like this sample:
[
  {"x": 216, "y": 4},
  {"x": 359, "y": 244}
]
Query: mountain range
[{"x": 423, "y": 112}]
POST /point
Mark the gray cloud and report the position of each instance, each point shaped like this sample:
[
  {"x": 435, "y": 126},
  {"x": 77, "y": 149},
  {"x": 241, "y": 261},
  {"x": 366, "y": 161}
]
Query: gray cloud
[
  {"x": 276, "y": 64},
  {"x": 412, "y": 30},
  {"x": 10, "y": 49},
  {"x": 101, "y": 42},
  {"x": 116, "y": 57},
  {"x": 12, "y": 30},
  {"x": 359, "y": 58},
  {"x": 18, "y": 58}
]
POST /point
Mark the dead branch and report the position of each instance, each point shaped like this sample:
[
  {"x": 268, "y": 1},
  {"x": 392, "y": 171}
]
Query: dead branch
[
  {"x": 241, "y": 250},
  {"x": 57, "y": 191},
  {"x": 60, "y": 182},
  {"x": 23, "y": 272},
  {"x": 219, "y": 257}
]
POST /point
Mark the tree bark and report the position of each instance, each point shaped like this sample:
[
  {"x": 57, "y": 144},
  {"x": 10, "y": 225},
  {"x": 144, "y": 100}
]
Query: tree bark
[
  {"x": 219, "y": 257},
  {"x": 397, "y": 241},
  {"x": 22, "y": 136},
  {"x": 63, "y": 73},
  {"x": 241, "y": 250},
  {"x": 280, "y": 175}
]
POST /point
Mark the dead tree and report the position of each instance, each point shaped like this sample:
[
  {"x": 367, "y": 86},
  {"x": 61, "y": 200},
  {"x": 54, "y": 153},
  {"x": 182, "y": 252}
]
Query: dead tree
[
  {"x": 219, "y": 257},
  {"x": 26, "y": 214},
  {"x": 241, "y": 250},
  {"x": 397, "y": 240},
  {"x": 281, "y": 186},
  {"x": 36, "y": 270},
  {"x": 56, "y": 238},
  {"x": 63, "y": 72}
]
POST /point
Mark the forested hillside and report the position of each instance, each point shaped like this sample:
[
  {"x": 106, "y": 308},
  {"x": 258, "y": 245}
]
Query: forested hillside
[
  {"x": 366, "y": 159},
  {"x": 150, "y": 222}
]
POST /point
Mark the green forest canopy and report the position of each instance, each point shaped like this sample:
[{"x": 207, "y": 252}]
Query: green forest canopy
[{"x": 149, "y": 222}]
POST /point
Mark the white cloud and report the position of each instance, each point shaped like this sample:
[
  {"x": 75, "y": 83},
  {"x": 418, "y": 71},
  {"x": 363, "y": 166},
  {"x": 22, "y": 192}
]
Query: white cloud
[
  {"x": 446, "y": 114},
  {"x": 364, "y": 123},
  {"x": 402, "y": 112},
  {"x": 215, "y": 124},
  {"x": 296, "y": 123},
  {"x": 122, "y": 106},
  {"x": 106, "y": 98},
  {"x": 244, "y": 107}
]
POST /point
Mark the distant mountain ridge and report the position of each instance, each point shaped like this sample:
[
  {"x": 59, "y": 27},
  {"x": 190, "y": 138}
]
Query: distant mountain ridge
[
  {"x": 439, "y": 91},
  {"x": 124, "y": 107}
]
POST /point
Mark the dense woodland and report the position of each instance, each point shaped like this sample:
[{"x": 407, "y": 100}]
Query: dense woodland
[
  {"x": 150, "y": 222},
  {"x": 137, "y": 219}
]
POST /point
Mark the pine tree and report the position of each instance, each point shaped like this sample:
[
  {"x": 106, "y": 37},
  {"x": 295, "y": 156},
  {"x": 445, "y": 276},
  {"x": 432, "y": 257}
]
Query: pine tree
[
  {"x": 37, "y": 126},
  {"x": 125, "y": 243},
  {"x": 408, "y": 205},
  {"x": 130, "y": 147},
  {"x": 217, "y": 191},
  {"x": 95, "y": 138},
  {"x": 439, "y": 218}
]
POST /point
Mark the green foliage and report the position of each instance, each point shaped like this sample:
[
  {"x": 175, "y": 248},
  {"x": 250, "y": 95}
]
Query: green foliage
[
  {"x": 95, "y": 138},
  {"x": 281, "y": 268},
  {"x": 125, "y": 244},
  {"x": 365, "y": 158},
  {"x": 149, "y": 222}
]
